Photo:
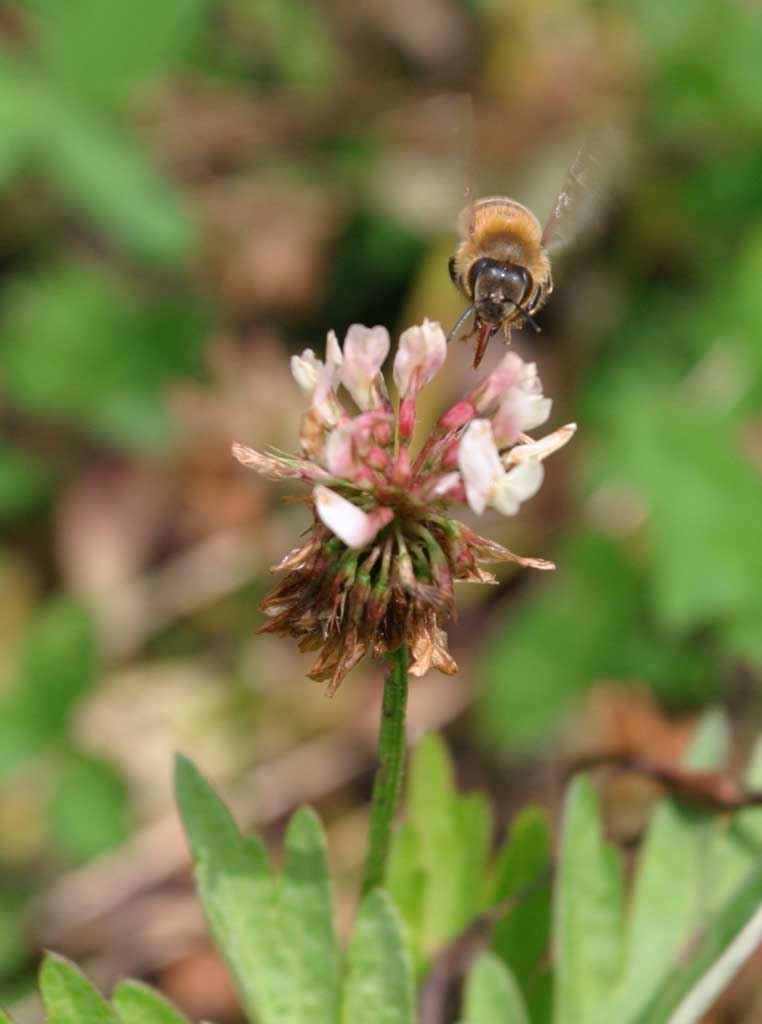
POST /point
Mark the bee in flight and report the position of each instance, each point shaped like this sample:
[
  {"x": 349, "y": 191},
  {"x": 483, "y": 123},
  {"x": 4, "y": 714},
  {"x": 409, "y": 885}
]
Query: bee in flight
[{"x": 501, "y": 264}]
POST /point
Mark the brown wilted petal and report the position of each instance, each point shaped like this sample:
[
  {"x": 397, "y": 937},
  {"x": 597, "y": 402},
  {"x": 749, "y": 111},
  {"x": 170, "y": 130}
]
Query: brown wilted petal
[
  {"x": 421, "y": 648},
  {"x": 297, "y": 557},
  {"x": 541, "y": 449},
  {"x": 268, "y": 466},
  {"x": 443, "y": 660},
  {"x": 490, "y": 551}
]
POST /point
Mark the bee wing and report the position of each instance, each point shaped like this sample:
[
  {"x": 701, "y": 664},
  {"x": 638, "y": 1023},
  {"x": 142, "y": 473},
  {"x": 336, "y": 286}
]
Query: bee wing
[{"x": 579, "y": 206}]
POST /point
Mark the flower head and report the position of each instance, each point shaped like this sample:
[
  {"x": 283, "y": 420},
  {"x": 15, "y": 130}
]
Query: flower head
[{"x": 379, "y": 566}]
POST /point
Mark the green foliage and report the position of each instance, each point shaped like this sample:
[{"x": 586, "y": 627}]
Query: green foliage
[
  {"x": 684, "y": 460},
  {"x": 25, "y": 482},
  {"x": 87, "y": 809},
  {"x": 276, "y": 929},
  {"x": 85, "y": 58},
  {"x": 256, "y": 920},
  {"x": 610, "y": 955},
  {"x": 522, "y": 879},
  {"x": 441, "y": 853},
  {"x": 58, "y": 666},
  {"x": 635, "y": 967},
  {"x": 587, "y": 932},
  {"x": 378, "y": 988},
  {"x": 102, "y": 52},
  {"x": 595, "y": 610},
  {"x": 491, "y": 994},
  {"x": 99, "y": 170},
  {"x": 277, "y": 932},
  {"x": 136, "y": 1003},
  {"x": 12, "y": 938},
  {"x": 69, "y": 998},
  {"x": 68, "y": 995},
  {"x": 76, "y": 346}
]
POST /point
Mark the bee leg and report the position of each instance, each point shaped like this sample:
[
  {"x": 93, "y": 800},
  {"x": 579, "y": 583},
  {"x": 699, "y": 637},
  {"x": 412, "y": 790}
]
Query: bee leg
[
  {"x": 456, "y": 329},
  {"x": 531, "y": 306}
]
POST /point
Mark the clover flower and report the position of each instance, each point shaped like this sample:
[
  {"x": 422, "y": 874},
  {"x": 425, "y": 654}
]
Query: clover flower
[{"x": 383, "y": 553}]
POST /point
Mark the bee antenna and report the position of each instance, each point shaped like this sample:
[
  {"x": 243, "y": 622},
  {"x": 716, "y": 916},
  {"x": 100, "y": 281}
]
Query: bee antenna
[
  {"x": 461, "y": 321},
  {"x": 529, "y": 318}
]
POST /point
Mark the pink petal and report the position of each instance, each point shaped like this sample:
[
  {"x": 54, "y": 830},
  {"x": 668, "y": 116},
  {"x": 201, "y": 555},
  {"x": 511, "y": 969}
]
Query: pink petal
[
  {"x": 365, "y": 349},
  {"x": 421, "y": 353}
]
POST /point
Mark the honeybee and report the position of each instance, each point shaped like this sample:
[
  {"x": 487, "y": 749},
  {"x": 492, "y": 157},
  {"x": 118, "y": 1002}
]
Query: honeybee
[{"x": 502, "y": 262}]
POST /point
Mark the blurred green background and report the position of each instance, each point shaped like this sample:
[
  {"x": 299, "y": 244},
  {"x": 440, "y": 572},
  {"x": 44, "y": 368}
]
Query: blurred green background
[{"x": 192, "y": 189}]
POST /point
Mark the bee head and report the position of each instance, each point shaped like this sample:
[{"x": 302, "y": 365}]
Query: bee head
[{"x": 499, "y": 289}]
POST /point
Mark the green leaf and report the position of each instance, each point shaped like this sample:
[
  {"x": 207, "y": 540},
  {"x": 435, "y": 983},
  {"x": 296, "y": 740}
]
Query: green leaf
[
  {"x": 66, "y": 993},
  {"x": 103, "y": 50},
  {"x": 667, "y": 903},
  {"x": 237, "y": 892},
  {"x": 444, "y": 820},
  {"x": 492, "y": 995},
  {"x": 137, "y": 1003},
  {"x": 521, "y": 937},
  {"x": 277, "y": 935},
  {"x": 406, "y": 878},
  {"x": 723, "y": 927},
  {"x": 588, "y": 913},
  {"x": 4, "y": 1018},
  {"x": 378, "y": 988},
  {"x": 88, "y": 808},
  {"x": 307, "y": 922}
]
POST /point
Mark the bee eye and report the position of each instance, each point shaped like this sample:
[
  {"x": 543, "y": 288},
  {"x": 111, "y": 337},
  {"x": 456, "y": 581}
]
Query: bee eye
[{"x": 501, "y": 284}]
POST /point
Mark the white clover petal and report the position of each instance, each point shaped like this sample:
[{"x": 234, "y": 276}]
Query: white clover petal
[
  {"x": 338, "y": 452},
  {"x": 517, "y": 486},
  {"x": 351, "y": 524},
  {"x": 420, "y": 355},
  {"x": 324, "y": 400},
  {"x": 306, "y": 370},
  {"x": 446, "y": 483},
  {"x": 365, "y": 349},
  {"x": 333, "y": 356},
  {"x": 535, "y": 411},
  {"x": 479, "y": 464},
  {"x": 518, "y": 412}
]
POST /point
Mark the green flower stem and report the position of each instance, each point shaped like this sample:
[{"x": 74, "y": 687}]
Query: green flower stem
[{"x": 388, "y": 780}]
